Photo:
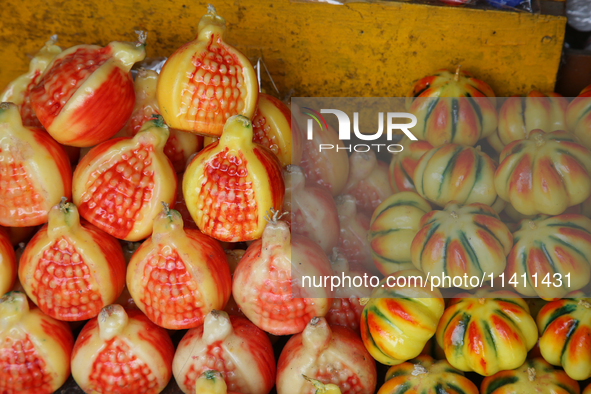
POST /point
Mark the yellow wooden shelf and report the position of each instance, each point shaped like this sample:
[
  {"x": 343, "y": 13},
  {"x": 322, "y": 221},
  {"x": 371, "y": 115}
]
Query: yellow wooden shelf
[{"x": 358, "y": 49}]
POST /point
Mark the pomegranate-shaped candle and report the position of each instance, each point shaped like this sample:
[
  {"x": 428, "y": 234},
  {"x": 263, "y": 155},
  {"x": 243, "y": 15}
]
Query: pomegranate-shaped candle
[
  {"x": 177, "y": 276},
  {"x": 232, "y": 345},
  {"x": 267, "y": 288},
  {"x": 35, "y": 171},
  {"x": 122, "y": 352},
  {"x": 330, "y": 354},
  {"x": 206, "y": 81},
  {"x": 229, "y": 185},
  {"x": 70, "y": 268},
  {"x": 34, "y": 348},
  {"x": 119, "y": 185},
  {"x": 86, "y": 93}
]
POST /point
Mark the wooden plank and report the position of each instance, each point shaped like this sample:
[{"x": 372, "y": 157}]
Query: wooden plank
[{"x": 358, "y": 49}]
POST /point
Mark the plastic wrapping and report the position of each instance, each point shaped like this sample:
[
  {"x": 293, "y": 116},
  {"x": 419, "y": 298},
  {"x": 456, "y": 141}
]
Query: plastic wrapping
[
  {"x": 155, "y": 64},
  {"x": 531, "y": 6},
  {"x": 578, "y": 13},
  {"x": 263, "y": 75}
]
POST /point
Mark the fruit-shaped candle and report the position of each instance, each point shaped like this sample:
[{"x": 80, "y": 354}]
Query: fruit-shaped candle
[
  {"x": 393, "y": 226},
  {"x": 400, "y": 317},
  {"x": 7, "y": 263},
  {"x": 180, "y": 145},
  {"x": 330, "y": 354},
  {"x": 565, "y": 328},
  {"x": 19, "y": 90},
  {"x": 86, "y": 93},
  {"x": 327, "y": 167},
  {"x": 456, "y": 173},
  {"x": 35, "y": 171},
  {"x": 354, "y": 229},
  {"x": 212, "y": 382},
  {"x": 268, "y": 289},
  {"x": 312, "y": 210},
  {"x": 550, "y": 255},
  {"x": 425, "y": 375},
  {"x": 459, "y": 240},
  {"x": 578, "y": 117},
  {"x": 34, "y": 348},
  {"x": 119, "y": 184},
  {"x": 486, "y": 332},
  {"x": 545, "y": 173},
  {"x": 520, "y": 115},
  {"x": 403, "y": 164},
  {"x": 71, "y": 269},
  {"x": 272, "y": 129},
  {"x": 122, "y": 351},
  {"x": 232, "y": 345},
  {"x": 368, "y": 181},
  {"x": 206, "y": 81},
  {"x": 452, "y": 108},
  {"x": 178, "y": 276},
  {"x": 346, "y": 309},
  {"x": 229, "y": 185},
  {"x": 534, "y": 376}
]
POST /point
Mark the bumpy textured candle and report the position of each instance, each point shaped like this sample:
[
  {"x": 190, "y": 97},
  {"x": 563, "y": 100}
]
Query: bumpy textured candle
[
  {"x": 119, "y": 184},
  {"x": 86, "y": 93},
  {"x": 34, "y": 348},
  {"x": 206, "y": 81},
  {"x": 35, "y": 171}
]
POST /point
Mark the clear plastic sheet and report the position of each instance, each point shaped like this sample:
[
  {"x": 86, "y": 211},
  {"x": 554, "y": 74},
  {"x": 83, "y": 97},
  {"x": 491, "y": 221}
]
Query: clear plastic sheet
[
  {"x": 578, "y": 13},
  {"x": 266, "y": 82},
  {"x": 155, "y": 64},
  {"x": 531, "y": 6}
]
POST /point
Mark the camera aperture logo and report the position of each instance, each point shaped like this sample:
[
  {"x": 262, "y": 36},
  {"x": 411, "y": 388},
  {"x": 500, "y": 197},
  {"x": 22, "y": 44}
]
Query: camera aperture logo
[{"x": 345, "y": 129}]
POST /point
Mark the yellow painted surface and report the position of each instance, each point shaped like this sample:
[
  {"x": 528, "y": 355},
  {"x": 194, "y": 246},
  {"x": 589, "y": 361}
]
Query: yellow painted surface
[{"x": 358, "y": 49}]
